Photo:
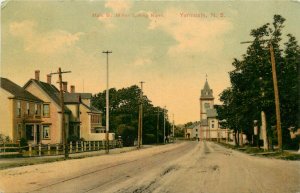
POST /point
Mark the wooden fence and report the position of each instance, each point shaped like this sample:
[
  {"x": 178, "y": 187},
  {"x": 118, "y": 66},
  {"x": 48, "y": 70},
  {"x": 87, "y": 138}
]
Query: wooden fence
[{"x": 56, "y": 149}]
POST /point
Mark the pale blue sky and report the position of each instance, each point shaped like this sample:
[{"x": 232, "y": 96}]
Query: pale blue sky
[{"x": 171, "y": 54}]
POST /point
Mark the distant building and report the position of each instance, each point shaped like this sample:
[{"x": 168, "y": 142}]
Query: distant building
[
  {"x": 209, "y": 124},
  {"x": 192, "y": 131}
]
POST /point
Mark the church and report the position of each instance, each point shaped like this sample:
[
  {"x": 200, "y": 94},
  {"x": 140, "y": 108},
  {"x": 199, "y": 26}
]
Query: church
[
  {"x": 209, "y": 124},
  {"x": 208, "y": 128}
]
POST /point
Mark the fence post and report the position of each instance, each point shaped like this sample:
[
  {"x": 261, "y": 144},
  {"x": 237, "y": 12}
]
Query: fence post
[
  {"x": 40, "y": 149},
  {"x": 76, "y": 148},
  {"x": 89, "y": 146},
  {"x": 71, "y": 147},
  {"x": 20, "y": 150},
  {"x": 84, "y": 145},
  {"x": 57, "y": 149},
  {"x": 81, "y": 145},
  {"x": 98, "y": 145},
  {"x": 49, "y": 149},
  {"x": 94, "y": 145},
  {"x": 103, "y": 145},
  {"x": 30, "y": 150}
]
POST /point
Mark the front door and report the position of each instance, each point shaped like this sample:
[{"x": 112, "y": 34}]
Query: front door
[{"x": 29, "y": 129}]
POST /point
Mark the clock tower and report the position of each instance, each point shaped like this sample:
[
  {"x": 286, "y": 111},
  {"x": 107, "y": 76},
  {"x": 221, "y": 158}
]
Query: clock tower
[{"x": 206, "y": 101}]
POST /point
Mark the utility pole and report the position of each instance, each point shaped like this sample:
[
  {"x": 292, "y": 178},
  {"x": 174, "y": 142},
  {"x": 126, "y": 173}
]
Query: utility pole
[
  {"x": 165, "y": 125},
  {"x": 157, "y": 128},
  {"x": 140, "y": 127},
  {"x": 62, "y": 103},
  {"x": 276, "y": 93},
  {"x": 173, "y": 129},
  {"x": 277, "y": 105},
  {"x": 107, "y": 102}
]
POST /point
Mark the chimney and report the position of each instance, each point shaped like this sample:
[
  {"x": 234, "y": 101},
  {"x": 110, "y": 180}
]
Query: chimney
[
  {"x": 72, "y": 88},
  {"x": 65, "y": 86},
  {"x": 37, "y": 75},
  {"x": 49, "y": 78}
]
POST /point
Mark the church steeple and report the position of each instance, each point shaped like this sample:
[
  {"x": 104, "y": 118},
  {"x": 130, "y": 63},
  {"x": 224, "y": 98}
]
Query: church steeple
[{"x": 206, "y": 92}]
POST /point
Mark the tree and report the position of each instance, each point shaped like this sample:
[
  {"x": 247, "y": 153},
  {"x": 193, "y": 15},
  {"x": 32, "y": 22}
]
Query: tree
[
  {"x": 124, "y": 108},
  {"x": 251, "y": 88}
]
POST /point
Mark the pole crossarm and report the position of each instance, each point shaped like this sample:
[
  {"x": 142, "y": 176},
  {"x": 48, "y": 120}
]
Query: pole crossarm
[{"x": 62, "y": 72}]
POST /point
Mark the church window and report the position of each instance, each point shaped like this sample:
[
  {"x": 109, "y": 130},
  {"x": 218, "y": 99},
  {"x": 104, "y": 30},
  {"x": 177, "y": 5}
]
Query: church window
[{"x": 206, "y": 105}]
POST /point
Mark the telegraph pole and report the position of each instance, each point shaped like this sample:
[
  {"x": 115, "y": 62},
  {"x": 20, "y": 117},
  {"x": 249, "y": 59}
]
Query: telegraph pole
[
  {"x": 173, "y": 130},
  {"x": 107, "y": 102},
  {"x": 277, "y": 105},
  {"x": 62, "y": 103},
  {"x": 165, "y": 125},
  {"x": 157, "y": 127},
  {"x": 276, "y": 93},
  {"x": 140, "y": 128}
]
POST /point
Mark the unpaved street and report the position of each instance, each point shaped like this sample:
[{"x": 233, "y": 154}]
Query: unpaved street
[{"x": 180, "y": 168}]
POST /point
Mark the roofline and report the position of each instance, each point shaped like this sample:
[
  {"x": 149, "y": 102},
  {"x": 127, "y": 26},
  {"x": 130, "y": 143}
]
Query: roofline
[
  {"x": 25, "y": 99},
  {"x": 32, "y": 81}
]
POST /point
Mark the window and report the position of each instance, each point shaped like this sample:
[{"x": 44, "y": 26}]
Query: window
[
  {"x": 206, "y": 105},
  {"x": 18, "y": 108},
  {"x": 46, "y": 110},
  {"x": 196, "y": 130},
  {"x": 212, "y": 125},
  {"x": 37, "y": 109},
  {"x": 95, "y": 119},
  {"x": 46, "y": 132},
  {"x": 27, "y": 108}
]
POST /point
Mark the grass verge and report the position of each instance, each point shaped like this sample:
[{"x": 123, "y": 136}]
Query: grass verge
[{"x": 254, "y": 151}]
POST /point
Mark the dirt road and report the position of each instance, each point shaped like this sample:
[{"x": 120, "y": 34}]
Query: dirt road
[{"x": 176, "y": 168}]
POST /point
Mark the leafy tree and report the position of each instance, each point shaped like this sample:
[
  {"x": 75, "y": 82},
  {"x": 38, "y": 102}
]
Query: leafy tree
[
  {"x": 124, "y": 112},
  {"x": 252, "y": 89}
]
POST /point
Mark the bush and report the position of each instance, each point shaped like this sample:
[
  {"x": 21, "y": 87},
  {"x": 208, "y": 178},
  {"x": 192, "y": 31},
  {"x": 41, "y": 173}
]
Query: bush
[
  {"x": 149, "y": 139},
  {"x": 23, "y": 142},
  {"x": 73, "y": 138}
]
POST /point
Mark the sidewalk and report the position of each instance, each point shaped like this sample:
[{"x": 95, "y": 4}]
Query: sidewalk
[{"x": 23, "y": 161}]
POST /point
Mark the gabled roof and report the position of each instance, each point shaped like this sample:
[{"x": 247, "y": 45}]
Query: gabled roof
[
  {"x": 92, "y": 109},
  {"x": 75, "y": 97},
  {"x": 50, "y": 89},
  {"x": 206, "y": 92},
  {"x": 17, "y": 91},
  {"x": 211, "y": 113},
  {"x": 193, "y": 125}
]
